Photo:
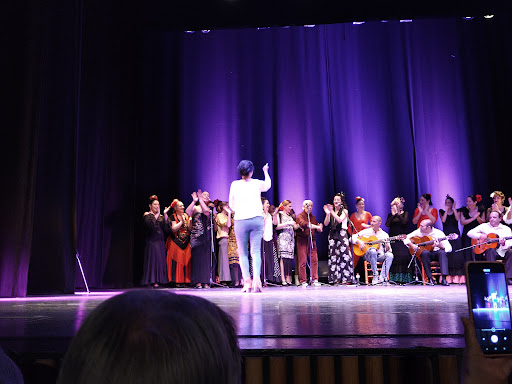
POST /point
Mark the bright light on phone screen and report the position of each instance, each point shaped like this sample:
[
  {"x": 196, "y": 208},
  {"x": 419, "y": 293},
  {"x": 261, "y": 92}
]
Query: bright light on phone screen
[{"x": 491, "y": 312}]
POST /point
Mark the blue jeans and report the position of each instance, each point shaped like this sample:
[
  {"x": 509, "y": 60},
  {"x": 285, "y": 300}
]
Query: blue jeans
[
  {"x": 249, "y": 230},
  {"x": 372, "y": 255}
]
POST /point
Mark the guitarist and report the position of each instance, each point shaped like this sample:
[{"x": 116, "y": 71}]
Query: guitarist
[
  {"x": 438, "y": 252},
  {"x": 495, "y": 226},
  {"x": 373, "y": 255}
]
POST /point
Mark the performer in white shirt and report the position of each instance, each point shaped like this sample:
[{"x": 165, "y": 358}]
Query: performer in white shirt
[
  {"x": 439, "y": 251},
  {"x": 503, "y": 232},
  {"x": 245, "y": 200},
  {"x": 380, "y": 254}
]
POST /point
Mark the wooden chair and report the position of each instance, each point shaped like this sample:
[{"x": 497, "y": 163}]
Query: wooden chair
[
  {"x": 435, "y": 269},
  {"x": 368, "y": 273}
]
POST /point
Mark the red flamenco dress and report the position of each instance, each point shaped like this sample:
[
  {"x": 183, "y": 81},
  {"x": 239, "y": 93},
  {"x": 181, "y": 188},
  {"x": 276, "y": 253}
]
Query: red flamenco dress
[{"x": 178, "y": 252}]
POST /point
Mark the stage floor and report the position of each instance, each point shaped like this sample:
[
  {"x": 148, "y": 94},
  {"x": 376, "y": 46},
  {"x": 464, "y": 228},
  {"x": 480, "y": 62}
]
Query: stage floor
[{"x": 283, "y": 318}]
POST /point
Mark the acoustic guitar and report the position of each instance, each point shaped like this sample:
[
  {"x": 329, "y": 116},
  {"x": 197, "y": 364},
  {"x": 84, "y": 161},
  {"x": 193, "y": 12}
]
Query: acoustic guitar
[
  {"x": 426, "y": 243},
  {"x": 373, "y": 242},
  {"x": 491, "y": 242}
]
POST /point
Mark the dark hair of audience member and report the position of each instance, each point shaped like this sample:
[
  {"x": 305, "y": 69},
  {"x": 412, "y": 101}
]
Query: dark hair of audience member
[{"x": 154, "y": 337}]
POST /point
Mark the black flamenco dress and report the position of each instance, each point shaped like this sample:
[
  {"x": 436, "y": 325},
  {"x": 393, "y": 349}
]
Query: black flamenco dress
[
  {"x": 155, "y": 266},
  {"x": 200, "y": 242},
  {"x": 399, "y": 225},
  {"x": 466, "y": 241},
  {"x": 455, "y": 259}
]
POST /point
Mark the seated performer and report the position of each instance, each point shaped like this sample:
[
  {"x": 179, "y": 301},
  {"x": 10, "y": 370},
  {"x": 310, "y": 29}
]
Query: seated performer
[
  {"x": 441, "y": 246},
  {"x": 304, "y": 243},
  {"x": 381, "y": 254},
  {"x": 504, "y": 234}
]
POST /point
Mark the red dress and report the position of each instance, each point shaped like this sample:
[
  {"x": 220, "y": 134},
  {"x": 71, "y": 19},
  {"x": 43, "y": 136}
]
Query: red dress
[
  {"x": 178, "y": 252},
  {"x": 433, "y": 211},
  {"x": 358, "y": 225}
]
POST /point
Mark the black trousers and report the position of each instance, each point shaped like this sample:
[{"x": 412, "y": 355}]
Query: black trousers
[
  {"x": 491, "y": 255},
  {"x": 439, "y": 255}
]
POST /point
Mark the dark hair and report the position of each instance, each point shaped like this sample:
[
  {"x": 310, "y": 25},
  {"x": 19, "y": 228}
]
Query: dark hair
[
  {"x": 428, "y": 197},
  {"x": 343, "y": 202},
  {"x": 448, "y": 197},
  {"x": 220, "y": 206},
  {"x": 150, "y": 336},
  {"x": 478, "y": 199},
  {"x": 498, "y": 212},
  {"x": 152, "y": 198},
  {"x": 263, "y": 199},
  {"x": 245, "y": 167}
]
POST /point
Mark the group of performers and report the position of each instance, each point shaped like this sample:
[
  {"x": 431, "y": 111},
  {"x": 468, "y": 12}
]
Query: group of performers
[{"x": 252, "y": 239}]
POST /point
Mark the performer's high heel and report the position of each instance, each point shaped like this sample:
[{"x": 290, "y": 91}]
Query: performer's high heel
[
  {"x": 247, "y": 286},
  {"x": 256, "y": 285}
]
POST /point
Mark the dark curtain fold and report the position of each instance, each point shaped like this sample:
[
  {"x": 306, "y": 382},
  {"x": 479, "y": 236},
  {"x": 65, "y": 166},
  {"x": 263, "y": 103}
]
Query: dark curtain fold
[{"x": 102, "y": 114}]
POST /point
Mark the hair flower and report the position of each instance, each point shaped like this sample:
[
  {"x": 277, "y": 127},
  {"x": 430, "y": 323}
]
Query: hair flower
[{"x": 479, "y": 197}]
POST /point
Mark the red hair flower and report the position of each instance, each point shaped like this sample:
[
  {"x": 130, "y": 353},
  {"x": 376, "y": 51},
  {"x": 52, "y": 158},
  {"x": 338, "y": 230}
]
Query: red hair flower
[{"x": 478, "y": 198}]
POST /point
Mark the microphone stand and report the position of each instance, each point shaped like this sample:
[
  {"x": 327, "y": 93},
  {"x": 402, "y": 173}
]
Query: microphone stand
[
  {"x": 416, "y": 269},
  {"x": 82, "y": 270},
  {"x": 308, "y": 261}
]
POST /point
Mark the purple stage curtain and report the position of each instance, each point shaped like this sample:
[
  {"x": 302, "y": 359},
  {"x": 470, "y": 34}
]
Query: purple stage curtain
[{"x": 102, "y": 114}]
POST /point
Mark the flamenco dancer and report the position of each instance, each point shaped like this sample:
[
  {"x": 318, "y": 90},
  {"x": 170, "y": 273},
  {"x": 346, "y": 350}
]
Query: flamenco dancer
[
  {"x": 341, "y": 267},
  {"x": 155, "y": 224}
]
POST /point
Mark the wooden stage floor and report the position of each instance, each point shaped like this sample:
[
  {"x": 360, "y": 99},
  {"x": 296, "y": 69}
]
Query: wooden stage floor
[{"x": 281, "y": 318}]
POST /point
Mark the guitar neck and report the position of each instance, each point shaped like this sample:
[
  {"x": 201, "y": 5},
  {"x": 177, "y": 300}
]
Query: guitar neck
[
  {"x": 389, "y": 239},
  {"x": 497, "y": 239},
  {"x": 431, "y": 242}
]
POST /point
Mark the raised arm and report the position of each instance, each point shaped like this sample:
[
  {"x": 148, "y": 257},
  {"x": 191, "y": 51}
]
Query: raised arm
[
  {"x": 432, "y": 215},
  {"x": 267, "y": 183},
  {"x": 190, "y": 209},
  {"x": 444, "y": 215},
  {"x": 327, "y": 210},
  {"x": 456, "y": 212},
  {"x": 508, "y": 214},
  {"x": 417, "y": 215},
  {"x": 202, "y": 204}
]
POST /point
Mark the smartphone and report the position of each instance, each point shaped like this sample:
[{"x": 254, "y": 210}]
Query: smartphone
[{"x": 489, "y": 306}]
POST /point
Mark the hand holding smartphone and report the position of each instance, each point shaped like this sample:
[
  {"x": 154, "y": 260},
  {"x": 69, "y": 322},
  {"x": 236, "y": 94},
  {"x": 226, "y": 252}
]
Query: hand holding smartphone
[{"x": 489, "y": 307}]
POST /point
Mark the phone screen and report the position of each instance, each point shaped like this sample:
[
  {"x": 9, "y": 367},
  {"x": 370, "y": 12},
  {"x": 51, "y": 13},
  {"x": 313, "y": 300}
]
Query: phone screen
[{"x": 489, "y": 306}]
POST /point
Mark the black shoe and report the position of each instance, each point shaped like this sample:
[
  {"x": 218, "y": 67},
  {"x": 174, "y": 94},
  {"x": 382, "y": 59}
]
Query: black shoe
[
  {"x": 444, "y": 282},
  {"x": 432, "y": 281}
]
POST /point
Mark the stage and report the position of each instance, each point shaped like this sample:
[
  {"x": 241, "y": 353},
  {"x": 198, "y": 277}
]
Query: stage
[{"x": 341, "y": 319}]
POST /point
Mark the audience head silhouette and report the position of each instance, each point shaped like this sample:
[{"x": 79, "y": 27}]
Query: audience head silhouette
[{"x": 154, "y": 337}]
